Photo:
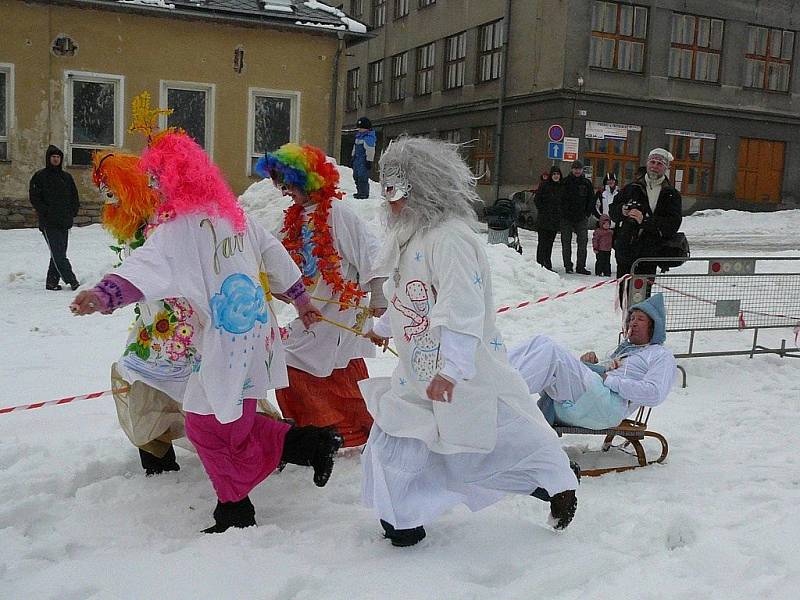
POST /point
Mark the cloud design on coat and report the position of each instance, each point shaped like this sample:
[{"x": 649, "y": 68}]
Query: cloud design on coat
[{"x": 238, "y": 305}]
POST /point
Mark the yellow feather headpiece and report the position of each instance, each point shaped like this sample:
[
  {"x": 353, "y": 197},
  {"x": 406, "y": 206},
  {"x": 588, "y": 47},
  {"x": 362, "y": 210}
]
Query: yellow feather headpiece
[{"x": 144, "y": 119}]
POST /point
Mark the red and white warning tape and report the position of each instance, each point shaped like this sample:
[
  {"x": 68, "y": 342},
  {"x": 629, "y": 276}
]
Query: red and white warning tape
[
  {"x": 67, "y": 400},
  {"x": 584, "y": 288}
]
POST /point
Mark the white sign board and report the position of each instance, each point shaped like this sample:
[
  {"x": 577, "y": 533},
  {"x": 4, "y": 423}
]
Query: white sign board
[
  {"x": 691, "y": 134},
  {"x": 598, "y": 130},
  {"x": 571, "y": 148}
]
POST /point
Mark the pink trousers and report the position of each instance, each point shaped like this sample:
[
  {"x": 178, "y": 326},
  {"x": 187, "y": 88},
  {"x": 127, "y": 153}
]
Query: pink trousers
[{"x": 237, "y": 456}]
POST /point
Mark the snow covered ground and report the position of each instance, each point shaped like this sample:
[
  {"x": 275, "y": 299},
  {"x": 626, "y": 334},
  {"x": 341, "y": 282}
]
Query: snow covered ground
[{"x": 78, "y": 519}]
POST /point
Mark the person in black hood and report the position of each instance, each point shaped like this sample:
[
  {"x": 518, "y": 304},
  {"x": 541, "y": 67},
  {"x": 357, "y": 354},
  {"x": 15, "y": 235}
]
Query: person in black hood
[
  {"x": 548, "y": 200},
  {"x": 576, "y": 207},
  {"x": 53, "y": 194}
]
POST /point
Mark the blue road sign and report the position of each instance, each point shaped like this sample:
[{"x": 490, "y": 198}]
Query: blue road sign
[{"x": 555, "y": 150}]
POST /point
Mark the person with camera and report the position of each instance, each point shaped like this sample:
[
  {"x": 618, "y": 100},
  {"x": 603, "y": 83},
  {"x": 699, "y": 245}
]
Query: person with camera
[{"x": 648, "y": 213}]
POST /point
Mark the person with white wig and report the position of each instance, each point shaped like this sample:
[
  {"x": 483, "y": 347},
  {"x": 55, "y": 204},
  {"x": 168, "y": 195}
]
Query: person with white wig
[{"x": 455, "y": 422}]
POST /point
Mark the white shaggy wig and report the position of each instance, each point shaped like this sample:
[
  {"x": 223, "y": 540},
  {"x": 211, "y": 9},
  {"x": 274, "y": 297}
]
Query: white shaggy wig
[{"x": 438, "y": 183}]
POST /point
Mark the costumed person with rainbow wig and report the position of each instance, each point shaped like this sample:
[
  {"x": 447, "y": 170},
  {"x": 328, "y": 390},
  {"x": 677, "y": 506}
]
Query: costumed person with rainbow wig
[
  {"x": 337, "y": 253},
  {"x": 454, "y": 423},
  {"x": 223, "y": 264}
]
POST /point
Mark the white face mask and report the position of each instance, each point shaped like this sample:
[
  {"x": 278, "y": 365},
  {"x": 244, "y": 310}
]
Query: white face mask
[{"x": 394, "y": 183}]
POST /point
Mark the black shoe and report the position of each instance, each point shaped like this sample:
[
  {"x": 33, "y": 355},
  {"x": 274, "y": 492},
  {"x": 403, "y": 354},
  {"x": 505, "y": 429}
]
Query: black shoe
[
  {"x": 53, "y": 287},
  {"x": 562, "y": 509},
  {"x": 402, "y": 538},
  {"x": 153, "y": 465},
  {"x": 239, "y": 514},
  {"x": 568, "y": 269},
  {"x": 582, "y": 271},
  {"x": 74, "y": 285},
  {"x": 576, "y": 468},
  {"x": 315, "y": 447}
]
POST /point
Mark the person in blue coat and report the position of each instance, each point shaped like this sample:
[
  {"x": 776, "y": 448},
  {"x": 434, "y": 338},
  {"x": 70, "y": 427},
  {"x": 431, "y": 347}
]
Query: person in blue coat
[
  {"x": 363, "y": 155},
  {"x": 596, "y": 394}
]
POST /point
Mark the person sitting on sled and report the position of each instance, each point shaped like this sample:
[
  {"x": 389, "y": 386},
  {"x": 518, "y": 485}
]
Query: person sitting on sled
[
  {"x": 207, "y": 251},
  {"x": 599, "y": 394},
  {"x": 336, "y": 252},
  {"x": 454, "y": 423}
]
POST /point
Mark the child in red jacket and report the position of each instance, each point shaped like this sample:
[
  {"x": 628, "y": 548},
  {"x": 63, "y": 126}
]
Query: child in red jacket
[{"x": 602, "y": 244}]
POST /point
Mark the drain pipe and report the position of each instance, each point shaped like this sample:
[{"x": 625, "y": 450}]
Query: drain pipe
[
  {"x": 501, "y": 102},
  {"x": 334, "y": 104}
]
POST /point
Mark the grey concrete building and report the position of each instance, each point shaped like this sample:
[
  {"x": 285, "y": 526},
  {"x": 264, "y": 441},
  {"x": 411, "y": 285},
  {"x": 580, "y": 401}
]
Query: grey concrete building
[{"x": 714, "y": 82}]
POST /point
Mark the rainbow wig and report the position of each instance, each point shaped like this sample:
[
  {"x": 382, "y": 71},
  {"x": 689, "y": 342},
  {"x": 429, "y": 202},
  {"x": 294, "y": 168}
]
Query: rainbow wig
[
  {"x": 129, "y": 201},
  {"x": 189, "y": 182},
  {"x": 306, "y": 167}
]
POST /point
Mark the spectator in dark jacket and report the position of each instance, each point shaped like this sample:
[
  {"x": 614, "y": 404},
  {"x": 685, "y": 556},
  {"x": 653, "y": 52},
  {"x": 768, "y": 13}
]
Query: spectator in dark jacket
[
  {"x": 648, "y": 211},
  {"x": 576, "y": 207},
  {"x": 363, "y": 156},
  {"x": 53, "y": 194},
  {"x": 548, "y": 210}
]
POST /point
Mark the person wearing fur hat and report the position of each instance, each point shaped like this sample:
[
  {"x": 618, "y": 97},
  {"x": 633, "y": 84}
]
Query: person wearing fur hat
[
  {"x": 336, "y": 252},
  {"x": 548, "y": 199},
  {"x": 363, "y": 154},
  {"x": 209, "y": 252},
  {"x": 454, "y": 423},
  {"x": 649, "y": 213},
  {"x": 595, "y": 394}
]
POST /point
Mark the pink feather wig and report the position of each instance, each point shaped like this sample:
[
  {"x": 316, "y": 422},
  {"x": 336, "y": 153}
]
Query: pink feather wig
[{"x": 189, "y": 182}]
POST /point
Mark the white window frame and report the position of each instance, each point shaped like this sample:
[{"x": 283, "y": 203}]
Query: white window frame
[
  {"x": 294, "y": 121},
  {"x": 119, "y": 108},
  {"x": 209, "y": 88},
  {"x": 8, "y": 69}
]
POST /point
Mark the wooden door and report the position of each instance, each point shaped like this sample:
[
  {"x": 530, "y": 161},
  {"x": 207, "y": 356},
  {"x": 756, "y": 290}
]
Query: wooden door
[{"x": 760, "y": 172}]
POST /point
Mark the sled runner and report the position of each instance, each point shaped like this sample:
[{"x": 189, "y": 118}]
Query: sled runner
[{"x": 633, "y": 430}]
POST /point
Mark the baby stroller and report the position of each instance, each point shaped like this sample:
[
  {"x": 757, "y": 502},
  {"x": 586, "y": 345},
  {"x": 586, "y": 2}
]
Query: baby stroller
[{"x": 501, "y": 218}]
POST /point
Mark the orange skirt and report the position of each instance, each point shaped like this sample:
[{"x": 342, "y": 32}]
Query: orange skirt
[{"x": 334, "y": 400}]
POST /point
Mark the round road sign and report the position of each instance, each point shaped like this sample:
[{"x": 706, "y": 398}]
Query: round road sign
[{"x": 555, "y": 133}]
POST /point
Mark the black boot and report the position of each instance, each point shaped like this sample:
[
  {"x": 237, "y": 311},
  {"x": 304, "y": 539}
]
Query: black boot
[
  {"x": 312, "y": 447},
  {"x": 233, "y": 514},
  {"x": 403, "y": 538},
  {"x": 562, "y": 509},
  {"x": 153, "y": 465},
  {"x": 541, "y": 493}
]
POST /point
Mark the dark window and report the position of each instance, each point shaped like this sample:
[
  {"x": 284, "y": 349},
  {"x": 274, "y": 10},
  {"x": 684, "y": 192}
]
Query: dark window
[
  {"x": 481, "y": 155},
  {"x": 4, "y": 116},
  {"x": 612, "y": 155},
  {"x": 375, "y": 91},
  {"x": 692, "y": 171},
  {"x": 399, "y": 72},
  {"x": 696, "y": 47},
  {"x": 424, "y": 3},
  {"x": 490, "y": 51},
  {"x": 356, "y": 8},
  {"x": 455, "y": 56},
  {"x": 768, "y": 61},
  {"x": 378, "y": 13},
  {"x": 401, "y": 8},
  {"x": 93, "y": 118},
  {"x": 188, "y": 112},
  {"x": 426, "y": 56},
  {"x": 272, "y": 127},
  {"x": 352, "y": 102},
  {"x": 619, "y": 32}
]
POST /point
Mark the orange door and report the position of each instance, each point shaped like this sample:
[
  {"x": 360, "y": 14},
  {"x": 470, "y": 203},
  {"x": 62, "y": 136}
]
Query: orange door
[{"x": 760, "y": 171}]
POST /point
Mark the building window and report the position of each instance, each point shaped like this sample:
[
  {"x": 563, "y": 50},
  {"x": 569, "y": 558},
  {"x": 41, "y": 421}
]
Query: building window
[
  {"x": 272, "y": 120},
  {"x": 399, "y": 72},
  {"x": 768, "y": 62},
  {"x": 450, "y": 135},
  {"x": 6, "y": 108},
  {"x": 352, "y": 100},
  {"x": 619, "y": 32},
  {"x": 192, "y": 107},
  {"x": 425, "y": 62},
  {"x": 490, "y": 51},
  {"x": 356, "y": 8},
  {"x": 618, "y": 154},
  {"x": 692, "y": 170},
  {"x": 375, "y": 90},
  {"x": 424, "y": 3},
  {"x": 481, "y": 155},
  {"x": 378, "y": 13},
  {"x": 696, "y": 47},
  {"x": 401, "y": 8},
  {"x": 455, "y": 56},
  {"x": 94, "y": 114}
]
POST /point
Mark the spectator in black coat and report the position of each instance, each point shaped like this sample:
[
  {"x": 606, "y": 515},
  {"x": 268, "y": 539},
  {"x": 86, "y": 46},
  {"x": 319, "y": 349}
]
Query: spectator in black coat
[
  {"x": 53, "y": 194},
  {"x": 576, "y": 207},
  {"x": 548, "y": 200},
  {"x": 648, "y": 212}
]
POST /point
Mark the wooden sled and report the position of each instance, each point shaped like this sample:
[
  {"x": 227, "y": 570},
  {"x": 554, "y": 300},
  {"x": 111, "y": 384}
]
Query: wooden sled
[{"x": 633, "y": 430}]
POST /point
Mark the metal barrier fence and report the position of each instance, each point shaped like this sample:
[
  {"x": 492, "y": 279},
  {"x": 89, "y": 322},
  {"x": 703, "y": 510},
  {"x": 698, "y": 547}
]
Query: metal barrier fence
[{"x": 733, "y": 293}]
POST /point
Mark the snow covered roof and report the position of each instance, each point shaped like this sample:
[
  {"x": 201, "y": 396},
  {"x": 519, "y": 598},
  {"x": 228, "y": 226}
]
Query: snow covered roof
[{"x": 294, "y": 13}]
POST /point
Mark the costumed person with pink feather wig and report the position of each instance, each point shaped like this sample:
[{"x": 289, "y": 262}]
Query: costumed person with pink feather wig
[
  {"x": 337, "y": 254},
  {"x": 207, "y": 251}
]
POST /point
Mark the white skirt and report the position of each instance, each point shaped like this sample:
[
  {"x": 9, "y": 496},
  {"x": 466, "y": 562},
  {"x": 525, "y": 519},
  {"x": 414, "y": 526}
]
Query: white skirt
[{"x": 409, "y": 485}]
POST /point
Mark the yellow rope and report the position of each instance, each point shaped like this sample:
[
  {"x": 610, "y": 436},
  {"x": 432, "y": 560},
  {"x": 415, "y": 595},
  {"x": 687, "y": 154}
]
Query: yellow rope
[{"x": 356, "y": 331}]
